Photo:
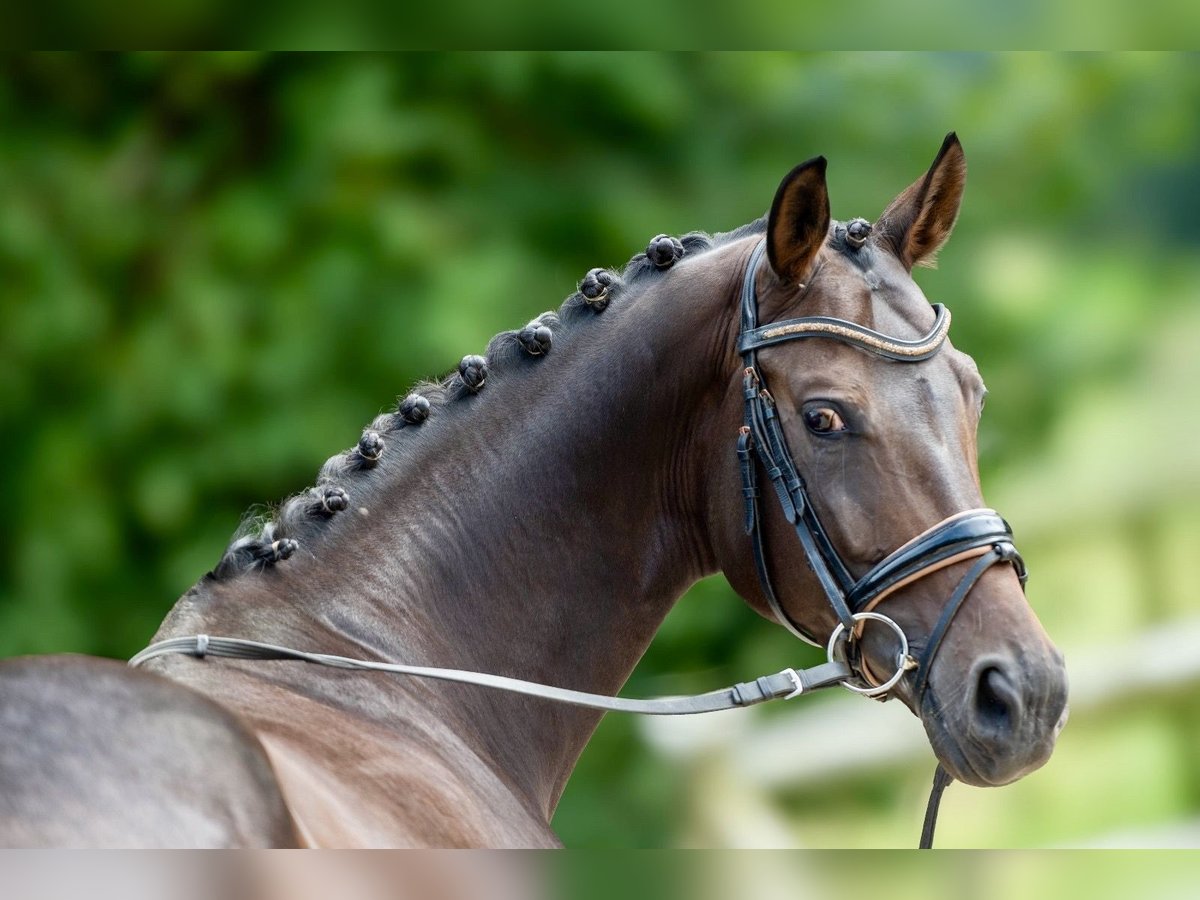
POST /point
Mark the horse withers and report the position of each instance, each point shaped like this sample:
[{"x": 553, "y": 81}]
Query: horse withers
[{"x": 536, "y": 514}]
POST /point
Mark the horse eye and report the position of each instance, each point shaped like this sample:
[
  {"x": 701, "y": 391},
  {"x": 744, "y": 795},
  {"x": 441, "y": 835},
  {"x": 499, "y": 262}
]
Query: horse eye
[{"x": 823, "y": 420}]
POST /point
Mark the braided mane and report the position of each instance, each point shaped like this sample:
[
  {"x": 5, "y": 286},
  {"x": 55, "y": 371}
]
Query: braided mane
[{"x": 264, "y": 539}]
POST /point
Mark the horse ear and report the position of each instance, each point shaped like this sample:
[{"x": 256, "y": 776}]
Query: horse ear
[
  {"x": 918, "y": 222},
  {"x": 799, "y": 220}
]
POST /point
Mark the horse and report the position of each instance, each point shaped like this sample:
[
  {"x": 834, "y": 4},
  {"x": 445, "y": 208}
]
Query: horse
[{"x": 535, "y": 515}]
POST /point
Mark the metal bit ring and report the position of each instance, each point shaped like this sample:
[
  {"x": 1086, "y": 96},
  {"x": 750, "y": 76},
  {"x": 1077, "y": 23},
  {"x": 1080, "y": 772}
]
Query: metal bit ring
[{"x": 902, "y": 660}]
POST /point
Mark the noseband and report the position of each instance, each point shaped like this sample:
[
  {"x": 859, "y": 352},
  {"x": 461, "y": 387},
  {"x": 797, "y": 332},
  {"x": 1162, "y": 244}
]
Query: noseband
[{"x": 978, "y": 534}]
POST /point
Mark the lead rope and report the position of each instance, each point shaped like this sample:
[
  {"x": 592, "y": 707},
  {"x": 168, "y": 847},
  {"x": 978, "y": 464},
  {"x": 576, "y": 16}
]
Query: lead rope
[{"x": 941, "y": 781}]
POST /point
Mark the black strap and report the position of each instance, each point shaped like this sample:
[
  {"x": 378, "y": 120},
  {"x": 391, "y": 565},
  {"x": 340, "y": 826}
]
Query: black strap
[
  {"x": 957, "y": 535},
  {"x": 762, "y": 436},
  {"x": 941, "y": 781},
  {"x": 982, "y": 564},
  {"x": 745, "y": 453}
]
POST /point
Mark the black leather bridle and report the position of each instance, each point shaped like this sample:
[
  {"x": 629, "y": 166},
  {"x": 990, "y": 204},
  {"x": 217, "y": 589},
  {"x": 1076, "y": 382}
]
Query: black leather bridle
[{"x": 978, "y": 534}]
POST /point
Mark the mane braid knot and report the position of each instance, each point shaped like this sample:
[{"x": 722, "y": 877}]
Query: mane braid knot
[
  {"x": 595, "y": 287},
  {"x": 414, "y": 409},
  {"x": 474, "y": 371},
  {"x": 276, "y": 551},
  {"x": 535, "y": 338},
  {"x": 370, "y": 448},
  {"x": 857, "y": 232},
  {"x": 664, "y": 251},
  {"x": 333, "y": 499}
]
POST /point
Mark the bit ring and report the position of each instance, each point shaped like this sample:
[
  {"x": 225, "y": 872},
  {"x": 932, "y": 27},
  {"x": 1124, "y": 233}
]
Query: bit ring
[{"x": 903, "y": 660}]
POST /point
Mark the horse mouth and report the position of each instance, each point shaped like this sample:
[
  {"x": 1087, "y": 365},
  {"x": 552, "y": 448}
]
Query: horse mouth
[{"x": 953, "y": 758}]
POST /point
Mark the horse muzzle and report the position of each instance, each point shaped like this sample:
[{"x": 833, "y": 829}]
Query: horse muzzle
[{"x": 999, "y": 719}]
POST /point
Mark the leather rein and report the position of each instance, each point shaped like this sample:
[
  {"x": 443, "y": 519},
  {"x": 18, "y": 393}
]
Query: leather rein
[{"x": 978, "y": 534}]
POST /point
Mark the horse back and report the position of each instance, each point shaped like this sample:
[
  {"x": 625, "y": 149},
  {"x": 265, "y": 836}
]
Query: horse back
[{"x": 93, "y": 754}]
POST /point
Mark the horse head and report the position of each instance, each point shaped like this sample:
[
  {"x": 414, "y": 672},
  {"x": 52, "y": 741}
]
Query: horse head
[{"x": 866, "y": 432}]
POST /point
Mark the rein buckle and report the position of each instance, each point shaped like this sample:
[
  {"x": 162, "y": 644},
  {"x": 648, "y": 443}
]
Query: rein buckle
[{"x": 794, "y": 678}]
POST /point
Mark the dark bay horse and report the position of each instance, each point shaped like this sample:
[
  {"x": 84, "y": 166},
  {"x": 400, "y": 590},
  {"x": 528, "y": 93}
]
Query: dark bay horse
[{"x": 536, "y": 515}]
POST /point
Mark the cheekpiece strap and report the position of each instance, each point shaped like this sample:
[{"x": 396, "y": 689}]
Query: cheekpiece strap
[{"x": 762, "y": 437}]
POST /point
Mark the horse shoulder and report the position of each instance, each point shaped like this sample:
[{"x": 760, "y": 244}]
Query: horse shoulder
[
  {"x": 93, "y": 754},
  {"x": 401, "y": 780}
]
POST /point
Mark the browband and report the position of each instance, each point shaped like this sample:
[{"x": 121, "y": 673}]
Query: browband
[{"x": 851, "y": 333}]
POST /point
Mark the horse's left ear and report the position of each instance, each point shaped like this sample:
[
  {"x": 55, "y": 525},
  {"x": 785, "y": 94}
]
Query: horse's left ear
[{"x": 918, "y": 222}]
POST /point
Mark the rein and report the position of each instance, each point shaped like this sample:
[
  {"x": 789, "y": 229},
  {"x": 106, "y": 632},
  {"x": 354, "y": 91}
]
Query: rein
[
  {"x": 978, "y": 534},
  {"x": 782, "y": 685}
]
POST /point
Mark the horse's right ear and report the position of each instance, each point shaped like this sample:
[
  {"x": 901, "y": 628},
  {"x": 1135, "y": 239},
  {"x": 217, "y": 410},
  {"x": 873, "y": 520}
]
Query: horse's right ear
[{"x": 799, "y": 221}]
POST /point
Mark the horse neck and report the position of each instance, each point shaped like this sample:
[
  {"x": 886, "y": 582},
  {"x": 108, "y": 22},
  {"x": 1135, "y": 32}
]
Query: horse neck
[{"x": 541, "y": 529}]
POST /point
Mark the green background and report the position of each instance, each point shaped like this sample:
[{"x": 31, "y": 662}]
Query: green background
[{"x": 214, "y": 269}]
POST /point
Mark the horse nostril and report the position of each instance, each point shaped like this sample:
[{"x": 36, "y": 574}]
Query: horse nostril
[{"x": 997, "y": 705}]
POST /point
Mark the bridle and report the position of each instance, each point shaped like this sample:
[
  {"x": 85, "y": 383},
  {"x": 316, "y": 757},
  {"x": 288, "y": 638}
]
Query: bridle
[{"x": 978, "y": 534}]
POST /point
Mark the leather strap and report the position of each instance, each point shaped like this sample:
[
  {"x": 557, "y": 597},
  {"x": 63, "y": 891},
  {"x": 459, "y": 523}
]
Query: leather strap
[
  {"x": 941, "y": 781},
  {"x": 762, "y": 436},
  {"x": 745, "y": 453},
  {"x": 1002, "y": 552},
  {"x": 782, "y": 685},
  {"x": 850, "y": 333},
  {"x": 950, "y": 538}
]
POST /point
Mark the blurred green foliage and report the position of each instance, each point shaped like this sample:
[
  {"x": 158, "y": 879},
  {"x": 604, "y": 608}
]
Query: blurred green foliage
[
  {"x": 677, "y": 24},
  {"x": 214, "y": 269}
]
